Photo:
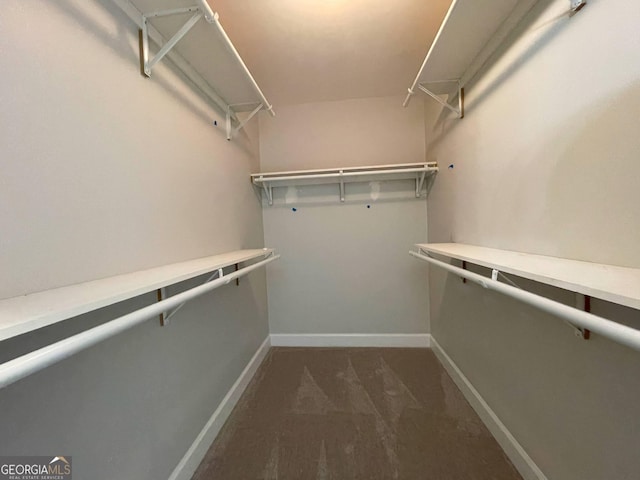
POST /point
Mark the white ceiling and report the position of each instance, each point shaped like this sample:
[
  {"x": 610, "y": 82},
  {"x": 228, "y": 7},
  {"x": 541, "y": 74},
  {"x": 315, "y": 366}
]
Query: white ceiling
[{"x": 303, "y": 51}]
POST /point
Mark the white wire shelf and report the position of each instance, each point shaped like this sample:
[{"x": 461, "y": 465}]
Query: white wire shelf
[
  {"x": 37, "y": 360},
  {"x": 470, "y": 32},
  {"x": 342, "y": 176},
  {"x": 191, "y": 35},
  {"x": 615, "y": 284},
  {"x": 23, "y": 314}
]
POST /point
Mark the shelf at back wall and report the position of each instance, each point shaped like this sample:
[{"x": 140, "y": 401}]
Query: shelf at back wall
[
  {"x": 612, "y": 283},
  {"x": 420, "y": 172},
  {"x": 25, "y": 313},
  {"x": 198, "y": 45}
]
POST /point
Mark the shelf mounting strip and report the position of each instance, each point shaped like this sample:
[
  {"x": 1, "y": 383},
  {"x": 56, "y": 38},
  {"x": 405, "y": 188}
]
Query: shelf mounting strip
[{"x": 199, "y": 11}]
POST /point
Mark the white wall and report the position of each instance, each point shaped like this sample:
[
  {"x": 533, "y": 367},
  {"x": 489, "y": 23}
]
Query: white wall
[
  {"x": 345, "y": 268},
  {"x": 106, "y": 172},
  {"x": 368, "y": 131},
  {"x": 545, "y": 161}
]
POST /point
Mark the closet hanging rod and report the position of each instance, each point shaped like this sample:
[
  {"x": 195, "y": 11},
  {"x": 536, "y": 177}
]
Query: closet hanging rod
[
  {"x": 266, "y": 178},
  {"x": 32, "y": 362},
  {"x": 614, "y": 331}
]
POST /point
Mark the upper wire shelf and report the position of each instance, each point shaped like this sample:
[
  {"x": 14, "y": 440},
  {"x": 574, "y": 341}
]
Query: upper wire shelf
[
  {"x": 202, "y": 50},
  {"x": 341, "y": 176}
]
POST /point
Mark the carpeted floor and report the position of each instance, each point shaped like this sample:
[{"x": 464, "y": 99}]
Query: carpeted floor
[{"x": 347, "y": 413}]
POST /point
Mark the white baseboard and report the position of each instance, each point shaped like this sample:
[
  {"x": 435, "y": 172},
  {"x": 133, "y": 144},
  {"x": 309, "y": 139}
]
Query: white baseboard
[
  {"x": 191, "y": 460},
  {"x": 413, "y": 340},
  {"x": 520, "y": 459}
]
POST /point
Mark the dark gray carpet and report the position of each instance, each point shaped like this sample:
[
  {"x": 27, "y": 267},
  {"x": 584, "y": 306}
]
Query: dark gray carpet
[{"x": 346, "y": 413}]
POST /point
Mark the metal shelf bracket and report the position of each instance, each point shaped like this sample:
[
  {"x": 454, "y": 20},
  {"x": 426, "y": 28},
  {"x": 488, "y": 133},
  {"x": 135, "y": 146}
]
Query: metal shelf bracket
[
  {"x": 576, "y": 6},
  {"x": 162, "y": 295},
  {"x": 147, "y": 64},
  {"x": 419, "y": 182},
  {"x": 232, "y": 132},
  {"x": 459, "y": 110},
  {"x": 583, "y": 302},
  {"x": 342, "y": 186},
  {"x": 268, "y": 191}
]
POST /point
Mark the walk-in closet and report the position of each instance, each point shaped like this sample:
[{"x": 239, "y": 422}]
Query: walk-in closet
[{"x": 320, "y": 239}]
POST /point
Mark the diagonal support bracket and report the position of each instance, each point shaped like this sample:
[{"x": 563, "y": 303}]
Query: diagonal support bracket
[
  {"x": 576, "y": 6},
  {"x": 228, "y": 123},
  {"x": 164, "y": 317},
  {"x": 419, "y": 182},
  {"x": 583, "y": 302},
  {"x": 232, "y": 132},
  {"x": 499, "y": 274},
  {"x": 459, "y": 110},
  {"x": 147, "y": 63},
  {"x": 268, "y": 191}
]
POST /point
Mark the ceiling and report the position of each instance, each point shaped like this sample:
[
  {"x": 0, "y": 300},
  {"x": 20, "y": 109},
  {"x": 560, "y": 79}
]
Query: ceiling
[{"x": 303, "y": 51}]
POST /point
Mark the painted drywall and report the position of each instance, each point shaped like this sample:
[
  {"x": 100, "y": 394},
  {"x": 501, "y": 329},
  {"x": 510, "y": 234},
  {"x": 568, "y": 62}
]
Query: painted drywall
[
  {"x": 358, "y": 132},
  {"x": 545, "y": 161},
  {"x": 105, "y": 172},
  {"x": 345, "y": 267}
]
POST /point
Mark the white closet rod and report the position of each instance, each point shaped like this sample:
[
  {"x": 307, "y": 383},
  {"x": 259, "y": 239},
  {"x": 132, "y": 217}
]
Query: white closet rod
[
  {"x": 23, "y": 366},
  {"x": 344, "y": 174},
  {"x": 614, "y": 331}
]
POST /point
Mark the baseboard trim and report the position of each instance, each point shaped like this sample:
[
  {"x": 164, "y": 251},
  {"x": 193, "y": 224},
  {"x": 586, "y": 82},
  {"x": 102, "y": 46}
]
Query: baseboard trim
[
  {"x": 406, "y": 340},
  {"x": 518, "y": 456},
  {"x": 191, "y": 460}
]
